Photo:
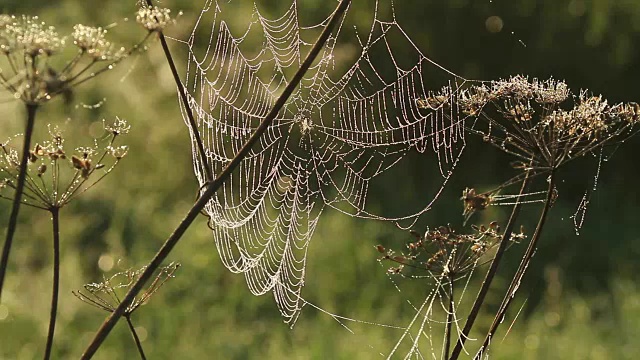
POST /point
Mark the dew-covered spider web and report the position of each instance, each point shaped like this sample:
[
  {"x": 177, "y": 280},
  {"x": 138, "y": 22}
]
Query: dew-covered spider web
[{"x": 352, "y": 118}]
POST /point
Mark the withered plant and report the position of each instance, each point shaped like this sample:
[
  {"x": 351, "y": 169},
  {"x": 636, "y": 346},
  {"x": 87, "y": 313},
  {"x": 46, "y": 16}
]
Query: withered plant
[
  {"x": 54, "y": 176},
  {"x": 29, "y": 50},
  {"x": 543, "y": 126},
  {"x": 446, "y": 256},
  {"x": 34, "y": 69},
  {"x": 107, "y": 295}
]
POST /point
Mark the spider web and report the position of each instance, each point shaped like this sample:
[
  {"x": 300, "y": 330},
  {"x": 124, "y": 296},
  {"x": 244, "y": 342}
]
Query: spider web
[{"x": 340, "y": 129}]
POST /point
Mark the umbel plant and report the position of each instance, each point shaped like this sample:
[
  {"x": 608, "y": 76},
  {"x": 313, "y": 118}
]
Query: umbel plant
[
  {"x": 543, "y": 126},
  {"x": 540, "y": 124},
  {"x": 29, "y": 50},
  {"x": 35, "y": 68},
  {"x": 106, "y": 295}
]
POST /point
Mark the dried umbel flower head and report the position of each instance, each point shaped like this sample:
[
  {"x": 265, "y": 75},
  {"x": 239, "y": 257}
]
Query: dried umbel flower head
[
  {"x": 29, "y": 34},
  {"x": 117, "y": 127},
  {"x": 437, "y": 100},
  {"x": 54, "y": 175},
  {"x": 445, "y": 253},
  {"x": 473, "y": 202},
  {"x": 107, "y": 295},
  {"x": 154, "y": 18},
  {"x": 540, "y": 122},
  {"x": 92, "y": 41},
  {"x": 28, "y": 44}
]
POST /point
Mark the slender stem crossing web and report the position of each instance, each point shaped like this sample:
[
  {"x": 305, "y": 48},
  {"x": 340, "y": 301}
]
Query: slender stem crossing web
[{"x": 347, "y": 123}]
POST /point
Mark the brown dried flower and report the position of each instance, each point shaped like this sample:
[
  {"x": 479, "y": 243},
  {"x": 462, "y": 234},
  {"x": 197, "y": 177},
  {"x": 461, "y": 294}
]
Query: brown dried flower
[
  {"x": 55, "y": 188},
  {"x": 28, "y": 44},
  {"x": 445, "y": 253},
  {"x": 529, "y": 119},
  {"x": 154, "y": 18}
]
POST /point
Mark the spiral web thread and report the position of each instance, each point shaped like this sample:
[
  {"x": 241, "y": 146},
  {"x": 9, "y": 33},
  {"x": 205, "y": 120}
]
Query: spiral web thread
[{"x": 338, "y": 131}]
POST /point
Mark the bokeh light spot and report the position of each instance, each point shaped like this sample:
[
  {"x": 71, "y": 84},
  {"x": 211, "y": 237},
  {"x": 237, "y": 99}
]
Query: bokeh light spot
[
  {"x": 494, "y": 24},
  {"x": 532, "y": 342},
  {"x": 105, "y": 262},
  {"x": 142, "y": 333}
]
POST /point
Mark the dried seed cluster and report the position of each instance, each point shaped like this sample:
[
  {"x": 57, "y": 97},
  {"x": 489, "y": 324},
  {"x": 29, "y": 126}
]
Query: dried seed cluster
[
  {"x": 107, "y": 295},
  {"x": 539, "y": 122},
  {"x": 472, "y": 202},
  {"x": 154, "y": 18},
  {"x": 28, "y": 44},
  {"x": 445, "y": 253},
  {"x": 92, "y": 41},
  {"x": 54, "y": 176},
  {"x": 28, "y": 34}
]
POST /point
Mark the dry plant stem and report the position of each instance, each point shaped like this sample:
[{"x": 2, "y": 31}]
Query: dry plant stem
[
  {"x": 212, "y": 187},
  {"x": 22, "y": 175},
  {"x": 484, "y": 289},
  {"x": 55, "y": 219},
  {"x": 135, "y": 337},
  {"x": 524, "y": 264},
  {"x": 450, "y": 314},
  {"x": 185, "y": 101}
]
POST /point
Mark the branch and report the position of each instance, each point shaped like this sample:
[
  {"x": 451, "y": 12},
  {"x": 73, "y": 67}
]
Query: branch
[
  {"x": 17, "y": 199},
  {"x": 136, "y": 338},
  {"x": 185, "y": 101},
  {"x": 475, "y": 310},
  {"x": 55, "y": 219},
  {"x": 524, "y": 264}
]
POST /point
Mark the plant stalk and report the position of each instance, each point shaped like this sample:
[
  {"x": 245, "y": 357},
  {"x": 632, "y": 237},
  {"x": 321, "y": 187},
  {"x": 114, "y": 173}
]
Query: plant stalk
[
  {"x": 213, "y": 186},
  {"x": 524, "y": 264},
  {"x": 55, "y": 219},
  {"x": 185, "y": 101},
  {"x": 17, "y": 200},
  {"x": 135, "y": 337},
  {"x": 450, "y": 318},
  {"x": 484, "y": 289}
]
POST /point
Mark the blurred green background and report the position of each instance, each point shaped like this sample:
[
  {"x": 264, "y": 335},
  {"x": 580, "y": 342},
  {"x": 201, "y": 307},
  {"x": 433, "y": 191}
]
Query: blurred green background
[{"x": 580, "y": 299}]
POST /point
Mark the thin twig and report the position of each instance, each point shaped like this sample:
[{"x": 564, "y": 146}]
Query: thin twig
[
  {"x": 55, "y": 219},
  {"x": 17, "y": 200},
  {"x": 135, "y": 337},
  {"x": 484, "y": 289},
  {"x": 450, "y": 318},
  {"x": 211, "y": 189},
  {"x": 185, "y": 101},
  {"x": 524, "y": 264}
]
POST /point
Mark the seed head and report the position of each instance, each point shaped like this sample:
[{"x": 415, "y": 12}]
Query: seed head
[
  {"x": 154, "y": 18},
  {"x": 119, "y": 152},
  {"x": 443, "y": 252},
  {"x": 540, "y": 122},
  {"x": 54, "y": 169},
  {"x": 92, "y": 41},
  {"x": 105, "y": 295},
  {"x": 117, "y": 127},
  {"x": 33, "y": 36}
]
